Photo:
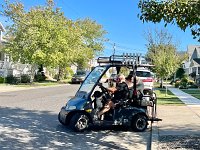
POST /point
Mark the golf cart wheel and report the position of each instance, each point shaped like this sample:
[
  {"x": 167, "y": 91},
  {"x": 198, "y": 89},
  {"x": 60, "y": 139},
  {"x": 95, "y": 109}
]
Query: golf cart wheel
[
  {"x": 139, "y": 123},
  {"x": 79, "y": 122},
  {"x": 60, "y": 120}
]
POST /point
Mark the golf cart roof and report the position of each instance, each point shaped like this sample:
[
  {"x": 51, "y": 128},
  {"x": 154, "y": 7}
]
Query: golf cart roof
[{"x": 131, "y": 60}]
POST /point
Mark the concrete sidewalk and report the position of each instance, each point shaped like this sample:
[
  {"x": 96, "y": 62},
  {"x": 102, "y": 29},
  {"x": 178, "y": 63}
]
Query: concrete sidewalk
[
  {"x": 179, "y": 122},
  {"x": 184, "y": 97}
]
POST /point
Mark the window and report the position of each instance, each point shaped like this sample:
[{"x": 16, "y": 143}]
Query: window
[{"x": 143, "y": 74}]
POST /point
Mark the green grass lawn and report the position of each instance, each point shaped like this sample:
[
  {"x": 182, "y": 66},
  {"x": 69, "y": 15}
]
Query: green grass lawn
[
  {"x": 193, "y": 92},
  {"x": 169, "y": 99}
]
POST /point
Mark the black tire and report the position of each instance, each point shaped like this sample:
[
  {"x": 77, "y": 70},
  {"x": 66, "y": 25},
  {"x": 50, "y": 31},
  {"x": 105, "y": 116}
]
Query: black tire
[
  {"x": 139, "y": 123},
  {"x": 63, "y": 123},
  {"x": 79, "y": 122}
]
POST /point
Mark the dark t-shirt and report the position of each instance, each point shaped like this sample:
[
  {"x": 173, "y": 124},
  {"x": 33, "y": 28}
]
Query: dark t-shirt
[{"x": 121, "y": 93}]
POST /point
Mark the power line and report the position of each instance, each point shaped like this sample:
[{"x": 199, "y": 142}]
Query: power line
[
  {"x": 119, "y": 48},
  {"x": 72, "y": 9}
]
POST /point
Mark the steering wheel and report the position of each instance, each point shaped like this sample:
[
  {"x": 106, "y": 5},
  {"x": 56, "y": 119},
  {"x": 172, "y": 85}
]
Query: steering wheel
[{"x": 104, "y": 90}]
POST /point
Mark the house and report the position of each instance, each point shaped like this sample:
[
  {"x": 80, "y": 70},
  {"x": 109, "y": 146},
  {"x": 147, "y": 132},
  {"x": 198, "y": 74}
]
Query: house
[
  {"x": 4, "y": 58},
  {"x": 7, "y": 67},
  {"x": 192, "y": 65}
]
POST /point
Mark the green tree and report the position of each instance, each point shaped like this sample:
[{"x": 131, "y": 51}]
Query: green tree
[
  {"x": 180, "y": 73},
  {"x": 41, "y": 35},
  {"x": 185, "y": 13},
  {"x": 44, "y": 36},
  {"x": 162, "y": 53},
  {"x": 166, "y": 60},
  {"x": 93, "y": 39},
  {"x": 154, "y": 38}
]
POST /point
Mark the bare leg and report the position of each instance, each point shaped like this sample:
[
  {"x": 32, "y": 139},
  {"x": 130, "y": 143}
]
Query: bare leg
[{"x": 106, "y": 108}]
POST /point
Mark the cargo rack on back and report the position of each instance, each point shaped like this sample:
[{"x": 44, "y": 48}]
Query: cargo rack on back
[{"x": 127, "y": 59}]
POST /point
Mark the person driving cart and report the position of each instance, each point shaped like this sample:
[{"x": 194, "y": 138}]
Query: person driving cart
[{"x": 120, "y": 92}]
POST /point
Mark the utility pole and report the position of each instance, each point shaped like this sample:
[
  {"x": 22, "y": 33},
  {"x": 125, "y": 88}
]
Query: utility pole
[
  {"x": 114, "y": 48},
  {"x": 113, "y": 57}
]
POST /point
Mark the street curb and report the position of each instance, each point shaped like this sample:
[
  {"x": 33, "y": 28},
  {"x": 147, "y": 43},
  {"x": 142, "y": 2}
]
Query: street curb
[
  {"x": 155, "y": 135},
  {"x": 8, "y": 88}
]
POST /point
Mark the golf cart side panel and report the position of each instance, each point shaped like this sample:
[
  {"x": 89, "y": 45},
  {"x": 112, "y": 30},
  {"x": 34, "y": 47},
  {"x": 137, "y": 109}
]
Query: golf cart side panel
[{"x": 129, "y": 112}]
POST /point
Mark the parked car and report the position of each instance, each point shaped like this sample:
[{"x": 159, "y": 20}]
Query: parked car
[
  {"x": 146, "y": 76},
  {"x": 79, "y": 76}
]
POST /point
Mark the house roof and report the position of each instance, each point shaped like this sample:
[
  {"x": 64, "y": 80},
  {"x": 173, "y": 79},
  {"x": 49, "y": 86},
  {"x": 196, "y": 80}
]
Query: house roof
[
  {"x": 2, "y": 28},
  {"x": 197, "y": 60},
  {"x": 193, "y": 51}
]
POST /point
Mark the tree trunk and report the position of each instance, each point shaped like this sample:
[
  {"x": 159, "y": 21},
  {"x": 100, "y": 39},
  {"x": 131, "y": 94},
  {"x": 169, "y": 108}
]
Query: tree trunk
[
  {"x": 161, "y": 83},
  {"x": 166, "y": 87},
  {"x": 41, "y": 70},
  {"x": 60, "y": 72}
]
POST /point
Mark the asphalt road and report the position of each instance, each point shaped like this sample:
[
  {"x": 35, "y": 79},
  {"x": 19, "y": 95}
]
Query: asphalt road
[{"x": 28, "y": 120}]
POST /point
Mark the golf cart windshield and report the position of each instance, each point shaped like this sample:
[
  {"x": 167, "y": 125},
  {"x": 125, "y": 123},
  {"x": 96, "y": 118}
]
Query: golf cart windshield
[{"x": 92, "y": 79}]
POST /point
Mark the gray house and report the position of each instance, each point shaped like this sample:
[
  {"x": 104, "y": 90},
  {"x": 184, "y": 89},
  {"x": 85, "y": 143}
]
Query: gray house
[{"x": 192, "y": 65}]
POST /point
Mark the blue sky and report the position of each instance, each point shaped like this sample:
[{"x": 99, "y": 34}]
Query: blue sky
[{"x": 119, "y": 19}]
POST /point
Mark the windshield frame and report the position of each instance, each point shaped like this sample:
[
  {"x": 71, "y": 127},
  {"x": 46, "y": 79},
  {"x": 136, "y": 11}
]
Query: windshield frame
[{"x": 84, "y": 94}]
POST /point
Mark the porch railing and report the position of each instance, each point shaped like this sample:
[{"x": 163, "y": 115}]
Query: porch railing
[{"x": 5, "y": 65}]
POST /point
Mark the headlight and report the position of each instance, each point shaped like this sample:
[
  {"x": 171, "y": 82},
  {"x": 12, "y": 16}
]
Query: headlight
[{"x": 70, "y": 107}]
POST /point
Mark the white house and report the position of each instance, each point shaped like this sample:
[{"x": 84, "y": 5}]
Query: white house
[
  {"x": 4, "y": 58},
  {"x": 192, "y": 65},
  {"x": 7, "y": 67}
]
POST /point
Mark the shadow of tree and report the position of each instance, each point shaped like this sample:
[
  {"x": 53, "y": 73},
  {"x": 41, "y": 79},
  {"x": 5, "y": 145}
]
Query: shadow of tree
[{"x": 28, "y": 129}]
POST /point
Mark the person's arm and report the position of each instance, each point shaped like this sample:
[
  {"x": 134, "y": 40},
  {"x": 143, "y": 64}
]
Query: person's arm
[{"x": 111, "y": 89}]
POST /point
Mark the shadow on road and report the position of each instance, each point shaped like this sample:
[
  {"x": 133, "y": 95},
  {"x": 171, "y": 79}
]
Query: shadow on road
[{"x": 25, "y": 129}]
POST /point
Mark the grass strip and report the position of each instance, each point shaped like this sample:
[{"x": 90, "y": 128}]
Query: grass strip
[
  {"x": 193, "y": 92},
  {"x": 167, "y": 99}
]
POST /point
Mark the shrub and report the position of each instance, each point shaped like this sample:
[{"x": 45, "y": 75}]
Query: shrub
[
  {"x": 185, "y": 80},
  {"x": 193, "y": 86},
  {"x": 1, "y": 79},
  {"x": 183, "y": 85},
  {"x": 25, "y": 78},
  {"x": 68, "y": 73},
  {"x": 39, "y": 77},
  {"x": 190, "y": 82},
  {"x": 177, "y": 84},
  {"x": 12, "y": 79}
]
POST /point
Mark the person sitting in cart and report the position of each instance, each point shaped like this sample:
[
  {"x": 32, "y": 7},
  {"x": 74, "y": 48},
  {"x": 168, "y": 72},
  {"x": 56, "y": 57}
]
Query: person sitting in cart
[
  {"x": 129, "y": 81},
  {"x": 139, "y": 83},
  {"x": 120, "y": 92}
]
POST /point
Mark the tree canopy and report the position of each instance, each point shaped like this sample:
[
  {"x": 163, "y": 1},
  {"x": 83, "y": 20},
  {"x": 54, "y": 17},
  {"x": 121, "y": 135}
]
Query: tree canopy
[
  {"x": 163, "y": 53},
  {"x": 43, "y": 35},
  {"x": 185, "y": 13}
]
